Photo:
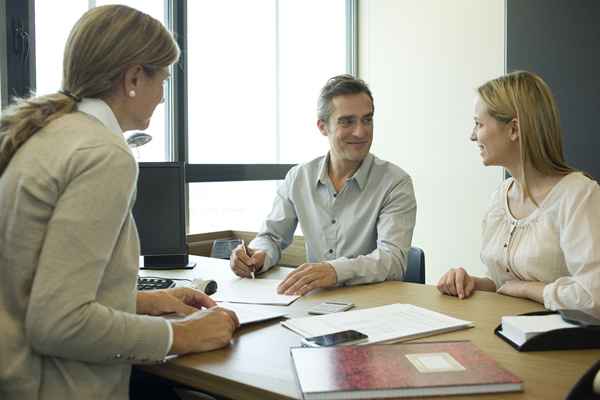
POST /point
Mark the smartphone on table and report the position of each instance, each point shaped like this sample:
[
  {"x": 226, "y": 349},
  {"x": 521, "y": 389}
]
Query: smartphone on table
[
  {"x": 330, "y": 307},
  {"x": 333, "y": 339}
]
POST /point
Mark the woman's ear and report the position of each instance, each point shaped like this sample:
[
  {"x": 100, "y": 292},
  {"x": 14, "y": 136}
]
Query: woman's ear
[
  {"x": 131, "y": 80},
  {"x": 514, "y": 130}
]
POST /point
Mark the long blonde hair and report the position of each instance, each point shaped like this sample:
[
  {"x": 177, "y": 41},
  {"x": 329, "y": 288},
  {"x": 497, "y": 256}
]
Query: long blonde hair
[
  {"x": 102, "y": 44},
  {"x": 525, "y": 96}
]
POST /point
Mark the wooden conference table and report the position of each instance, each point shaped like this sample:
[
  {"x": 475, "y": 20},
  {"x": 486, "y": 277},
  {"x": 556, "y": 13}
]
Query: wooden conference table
[{"x": 257, "y": 364}]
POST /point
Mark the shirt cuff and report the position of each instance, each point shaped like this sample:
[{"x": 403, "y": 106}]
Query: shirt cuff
[
  {"x": 343, "y": 270},
  {"x": 267, "y": 264},
  {"x": 170, "y": 342}
]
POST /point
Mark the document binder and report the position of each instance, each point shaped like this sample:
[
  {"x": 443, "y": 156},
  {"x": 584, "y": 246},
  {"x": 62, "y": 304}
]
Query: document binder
[{"x": 557, "y": 339}]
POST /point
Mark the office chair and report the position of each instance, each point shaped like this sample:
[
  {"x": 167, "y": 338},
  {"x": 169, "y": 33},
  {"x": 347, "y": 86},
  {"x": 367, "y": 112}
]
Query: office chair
[
  {"x": 415, "y": 269},
  {"x": 222, "y": 248}
]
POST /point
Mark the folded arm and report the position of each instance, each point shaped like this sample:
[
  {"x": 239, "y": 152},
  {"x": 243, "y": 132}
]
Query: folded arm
[{"x": 580, "y": 243}]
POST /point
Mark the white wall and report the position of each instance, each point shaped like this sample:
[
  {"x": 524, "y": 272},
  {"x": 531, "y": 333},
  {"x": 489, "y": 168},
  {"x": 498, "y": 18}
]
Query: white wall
[{"x": 423, "y": 60}]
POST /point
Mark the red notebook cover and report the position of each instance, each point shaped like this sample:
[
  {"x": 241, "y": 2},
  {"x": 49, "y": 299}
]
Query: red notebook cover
[{"x": 399, "y": 370}]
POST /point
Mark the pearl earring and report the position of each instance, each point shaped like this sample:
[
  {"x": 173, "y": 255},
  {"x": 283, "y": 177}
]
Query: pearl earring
[{"x": 132, "y": 93}]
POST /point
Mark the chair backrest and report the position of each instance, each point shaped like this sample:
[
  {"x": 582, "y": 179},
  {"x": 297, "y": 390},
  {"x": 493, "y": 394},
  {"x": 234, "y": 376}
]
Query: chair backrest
[
  {"x": 222, "y": 248},
  {"x": 415, "y": 269}
]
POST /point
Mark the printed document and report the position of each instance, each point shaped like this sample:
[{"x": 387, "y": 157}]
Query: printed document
[{"x": 385, "y": 324}]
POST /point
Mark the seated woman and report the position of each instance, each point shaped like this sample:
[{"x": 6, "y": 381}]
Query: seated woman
[
  {"x": 71, "y": 318},
  {"x": 541, "y": 234}
]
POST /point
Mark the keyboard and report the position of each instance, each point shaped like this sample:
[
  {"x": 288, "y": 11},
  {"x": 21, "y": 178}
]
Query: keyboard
[{"x": 145, "y": 283}]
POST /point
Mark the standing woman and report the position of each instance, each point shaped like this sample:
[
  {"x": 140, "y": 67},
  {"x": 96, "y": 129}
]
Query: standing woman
[
  {"x": 541, "y": 234},
  {"x": 69, "y": 250}
]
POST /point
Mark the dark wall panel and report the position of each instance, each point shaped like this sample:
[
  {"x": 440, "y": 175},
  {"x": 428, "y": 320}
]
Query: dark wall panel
[{"x": 560, "y": 40}]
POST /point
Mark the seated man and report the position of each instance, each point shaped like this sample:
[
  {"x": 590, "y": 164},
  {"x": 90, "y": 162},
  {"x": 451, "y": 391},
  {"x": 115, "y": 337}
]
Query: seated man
[{"x": 357, "y": 212}]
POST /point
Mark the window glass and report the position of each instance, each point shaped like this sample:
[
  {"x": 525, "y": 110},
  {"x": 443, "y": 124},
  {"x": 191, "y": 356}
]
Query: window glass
[
  {"x": 50, "y": 43},
  {"x": 231, "y": 85},
  {"x": 50, "y": 39},
  {"x": 254, "y": 74},
  {"x": 308, "y": 57},
  {"x": 217, "y": 206}
]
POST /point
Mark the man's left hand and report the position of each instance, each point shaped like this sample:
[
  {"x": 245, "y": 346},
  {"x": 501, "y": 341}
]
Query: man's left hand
[
  {"x": 307, "y": 277},
  {"x": 181, "y": 300}
]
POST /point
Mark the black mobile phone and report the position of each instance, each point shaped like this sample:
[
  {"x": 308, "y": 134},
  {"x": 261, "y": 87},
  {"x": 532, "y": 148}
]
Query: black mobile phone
[{"x": 336, "y": 338}]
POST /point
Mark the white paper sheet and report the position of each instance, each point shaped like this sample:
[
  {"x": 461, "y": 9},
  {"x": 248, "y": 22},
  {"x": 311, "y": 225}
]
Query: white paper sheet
[
  {"x": 390, "y": 323},
  {"x": 246, "y": 313},
  {"x": 252, "y": 291},
  {"x": 250, "y": 313}
]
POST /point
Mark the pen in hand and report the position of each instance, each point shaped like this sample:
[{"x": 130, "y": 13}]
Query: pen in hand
[{"x": 246, "y": 253}]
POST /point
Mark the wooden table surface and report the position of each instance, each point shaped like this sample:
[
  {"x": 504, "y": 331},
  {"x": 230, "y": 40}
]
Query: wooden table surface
[{"x": 257, "y": 364}]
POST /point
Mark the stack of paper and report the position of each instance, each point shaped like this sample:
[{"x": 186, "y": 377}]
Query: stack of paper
[
  {"x": 385, "y": 324},
  {"x": 521, "y": 328}
]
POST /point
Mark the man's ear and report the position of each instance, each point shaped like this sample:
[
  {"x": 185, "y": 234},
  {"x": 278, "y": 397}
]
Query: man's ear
[
  {"x": 322, "y": 125},
  {"x": 514, "y": 130}
]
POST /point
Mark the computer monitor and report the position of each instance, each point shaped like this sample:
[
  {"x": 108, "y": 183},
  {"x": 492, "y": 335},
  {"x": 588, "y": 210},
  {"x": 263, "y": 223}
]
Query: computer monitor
[{"x": 159, "y": 214}]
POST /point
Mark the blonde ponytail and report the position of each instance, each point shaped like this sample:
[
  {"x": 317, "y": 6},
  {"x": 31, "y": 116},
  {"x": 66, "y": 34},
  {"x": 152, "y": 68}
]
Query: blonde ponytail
[{"x": 23, "y": 119}]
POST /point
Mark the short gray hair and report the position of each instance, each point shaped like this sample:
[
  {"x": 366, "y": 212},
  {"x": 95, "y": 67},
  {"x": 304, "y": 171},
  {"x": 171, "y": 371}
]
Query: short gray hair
[{"x": 338, "y": 86}]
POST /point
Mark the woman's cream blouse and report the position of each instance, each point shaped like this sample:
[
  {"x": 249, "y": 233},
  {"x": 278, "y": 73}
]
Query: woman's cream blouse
[{"x": 559, "y": 243}]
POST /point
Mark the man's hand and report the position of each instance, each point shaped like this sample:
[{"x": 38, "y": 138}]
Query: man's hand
[
  {"x": 457, "y": 282},
  {"x": 307, "y": 277},
  {"x": 181, "y": 300},
  {"x": 243, "y": 263},
  {"x": 203, "y": 330},
  {"x": 524, "y": 289}
]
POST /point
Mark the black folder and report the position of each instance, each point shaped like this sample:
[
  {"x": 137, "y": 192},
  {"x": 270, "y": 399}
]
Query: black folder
[{"x": 584, "y": 337}]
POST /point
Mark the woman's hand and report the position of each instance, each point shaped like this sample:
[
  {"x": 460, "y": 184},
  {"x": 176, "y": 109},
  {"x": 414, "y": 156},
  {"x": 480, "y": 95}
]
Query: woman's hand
[
  {"x": 457, "y": 282},
  {"x": 181, "y": 300},
  {"x": 204, "y": 330}
]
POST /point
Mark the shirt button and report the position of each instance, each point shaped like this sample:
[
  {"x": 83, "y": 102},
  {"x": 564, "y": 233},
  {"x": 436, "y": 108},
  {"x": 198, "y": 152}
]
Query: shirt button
[
  {"x": 330, "y": 251},
  {"x": 333, "y": 221}
]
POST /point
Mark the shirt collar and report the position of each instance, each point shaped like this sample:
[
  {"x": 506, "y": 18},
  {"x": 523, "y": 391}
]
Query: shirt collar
[
  {"x": 323, "y": 177},
  {"x": 360, "y": 176},
  {"x": 102, "y": 112}
]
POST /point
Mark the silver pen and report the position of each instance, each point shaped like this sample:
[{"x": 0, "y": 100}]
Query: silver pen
[{"x": 246, "y": 253}]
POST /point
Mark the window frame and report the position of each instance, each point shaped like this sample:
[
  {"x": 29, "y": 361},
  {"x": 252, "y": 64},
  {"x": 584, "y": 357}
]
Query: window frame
[
  {"x": 20, "y": 81},
  {"x": 18, "y": 29}
]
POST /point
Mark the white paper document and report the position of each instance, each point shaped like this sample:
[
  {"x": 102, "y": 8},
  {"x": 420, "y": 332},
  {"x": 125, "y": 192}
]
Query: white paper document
[
  {"x": 246, "y": 313},
  {"x": 252, "y": 291},
  {"x": 385, "y": 324},
  {"x": 250, "y": 313}
]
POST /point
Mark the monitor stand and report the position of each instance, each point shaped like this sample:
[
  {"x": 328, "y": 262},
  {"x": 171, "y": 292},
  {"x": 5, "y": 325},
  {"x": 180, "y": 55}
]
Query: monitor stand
[{"x": 179, "y": 261}]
